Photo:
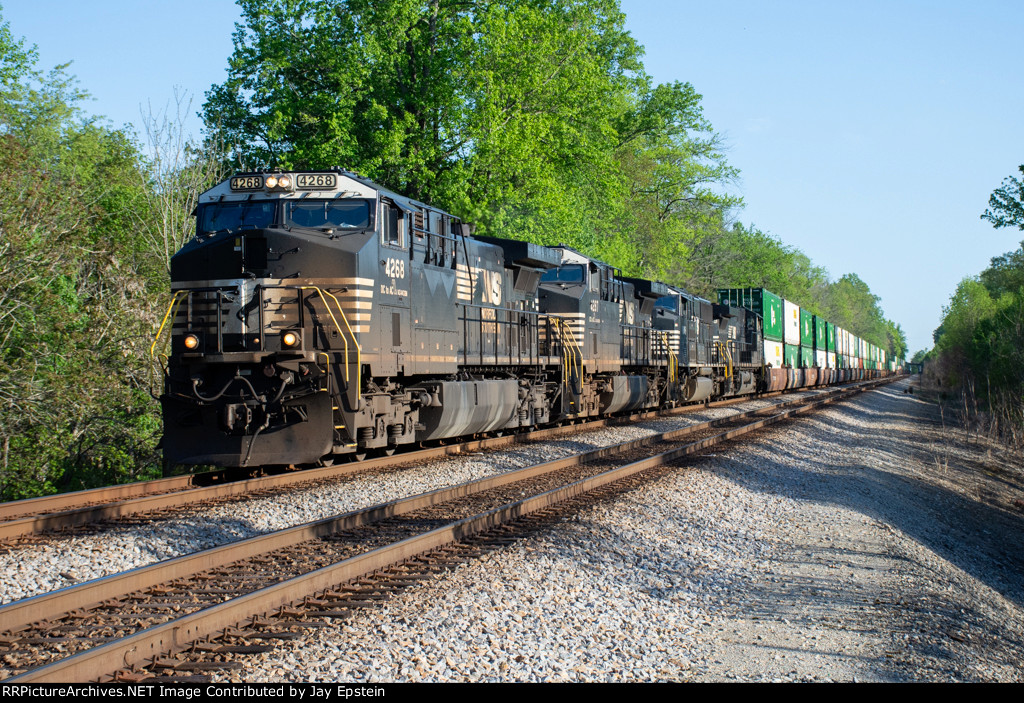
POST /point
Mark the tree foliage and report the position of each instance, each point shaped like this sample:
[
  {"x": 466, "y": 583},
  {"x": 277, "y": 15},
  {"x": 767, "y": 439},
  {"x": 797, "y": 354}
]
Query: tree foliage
[
  {"x": 740, "y": 256},
  {"x": 530, "y": 118},
  {"x": 1006, "y": 204},
  {"x": 533, "y": 119},
  {"x": 979, "y": 345},
  {"x": 80, "y": 290}
]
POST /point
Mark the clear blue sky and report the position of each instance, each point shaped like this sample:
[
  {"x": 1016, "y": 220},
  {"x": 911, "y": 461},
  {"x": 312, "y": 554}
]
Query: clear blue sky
[{"x": 868, "y": 134}]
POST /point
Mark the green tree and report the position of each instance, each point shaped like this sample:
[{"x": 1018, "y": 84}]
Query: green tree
[
  {"x": 531, "y": 118},
  {"x": 76, "y": 290},
  {"x": 969, "y": 305},
  {"x": 1006, "y": 204},
  {"x": 896, "y": 340},
  {"x": 742, "y": 256},
  {"x": 674, "y": 167},
  {"x": 1005, "y": 273}
]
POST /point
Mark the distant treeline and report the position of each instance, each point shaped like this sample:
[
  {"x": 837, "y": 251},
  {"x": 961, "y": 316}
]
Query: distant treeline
[
  {"x": 532, "y": 119},
  {"x": 978, "y": 358}
]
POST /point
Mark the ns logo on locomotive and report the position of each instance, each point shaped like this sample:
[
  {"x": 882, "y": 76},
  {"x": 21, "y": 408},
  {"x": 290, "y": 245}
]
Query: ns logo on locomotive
[{"x": 319, "y": 315}]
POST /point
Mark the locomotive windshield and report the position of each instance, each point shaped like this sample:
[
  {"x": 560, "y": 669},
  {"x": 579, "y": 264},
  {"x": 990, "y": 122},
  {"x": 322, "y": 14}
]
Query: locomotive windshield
[
  {"x": 218, "y": 217},
  {"x": 316, "y": 214},
  {"x": 340, "y": 214},
  {"x": 571, "y": 273},
  {"x": 669, "y": 302}
]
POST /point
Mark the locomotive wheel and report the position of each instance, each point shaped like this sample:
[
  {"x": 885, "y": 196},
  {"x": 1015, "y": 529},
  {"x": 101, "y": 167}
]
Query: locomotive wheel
[
  {"x": 326, "y": 460},
  {"x": 389, "y": 451}
]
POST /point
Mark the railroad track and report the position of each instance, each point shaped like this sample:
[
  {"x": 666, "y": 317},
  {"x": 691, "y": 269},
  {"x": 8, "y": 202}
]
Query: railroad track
[
  {"x": 49, "y": 514},
  {"x": 241, "y": 598}
]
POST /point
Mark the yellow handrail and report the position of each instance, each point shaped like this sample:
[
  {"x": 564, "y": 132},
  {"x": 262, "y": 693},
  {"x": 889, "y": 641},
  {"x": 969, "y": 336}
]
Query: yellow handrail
[
  {"x": 323, "y": 296},
  {"x": 728, "y": 359},
  {"x": 172, "y": 311},
  {"x": 672, "y": 358},
  {"x": 327, "y": 371},
  {"x": 326, "y": 296},
  {"x": 572, "y": 355}
]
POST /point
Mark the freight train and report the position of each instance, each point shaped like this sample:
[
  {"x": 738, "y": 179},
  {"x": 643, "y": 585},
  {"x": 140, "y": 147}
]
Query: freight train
[{"x": 317, "y": 316}]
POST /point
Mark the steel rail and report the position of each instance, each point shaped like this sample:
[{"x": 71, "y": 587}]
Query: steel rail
[
  {"x": 91, "y": 593},
  {"x": 66, "y": 510},
  {"x": 177, "y": 634}
]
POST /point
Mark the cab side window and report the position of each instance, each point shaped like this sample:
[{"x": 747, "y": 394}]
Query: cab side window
[{"x": 393, "y": 226}]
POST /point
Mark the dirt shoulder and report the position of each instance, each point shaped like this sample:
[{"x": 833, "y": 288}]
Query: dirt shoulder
[{"x": 900, "y": 560}]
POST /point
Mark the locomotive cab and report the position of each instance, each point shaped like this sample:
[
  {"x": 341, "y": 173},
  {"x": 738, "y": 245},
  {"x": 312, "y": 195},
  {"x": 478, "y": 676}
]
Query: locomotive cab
[
  {"x": 316, "y": 315},
  {"x": 252, "y": 319}
]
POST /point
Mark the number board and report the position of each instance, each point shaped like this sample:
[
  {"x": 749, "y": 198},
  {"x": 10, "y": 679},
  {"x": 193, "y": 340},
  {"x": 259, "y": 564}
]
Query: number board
[
  {"x": 247, "y": 183},
  {"x": 316, "y": 181}
]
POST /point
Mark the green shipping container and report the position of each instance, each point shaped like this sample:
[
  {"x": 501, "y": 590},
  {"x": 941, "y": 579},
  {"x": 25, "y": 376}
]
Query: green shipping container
[
  {"x": 791, "y": 355},
  {"x": 806, "y": 357},
  {"x": 831, "y": 336},
  {"x": 763, "y": 302},
  {"x": 806, "y": 329},
  {"x": 820, "y": 335}
]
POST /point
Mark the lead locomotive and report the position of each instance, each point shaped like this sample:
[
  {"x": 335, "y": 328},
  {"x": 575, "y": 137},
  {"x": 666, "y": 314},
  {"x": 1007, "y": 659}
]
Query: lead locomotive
[{"x": 317, "y": 315}]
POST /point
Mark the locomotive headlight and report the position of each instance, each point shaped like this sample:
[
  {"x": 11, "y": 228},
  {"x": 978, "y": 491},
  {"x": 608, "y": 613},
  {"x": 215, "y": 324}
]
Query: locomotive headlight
[
  {"x": 271, "y": 181},
  {"x": 191, "y": 341},
  {"x": 289, "y": 339},
  {"x": 284, "y": 181}
]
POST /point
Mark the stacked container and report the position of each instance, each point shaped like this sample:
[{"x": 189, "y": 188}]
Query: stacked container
[
  {"x": 830, "y": 344},
  {"x": 791, "y": 334},
  {"x": 820, "y": 342},
  {"x": 806, "y": 339},
  {"x": 769, "y": 307},
  {"x": 804, "y": 342}
]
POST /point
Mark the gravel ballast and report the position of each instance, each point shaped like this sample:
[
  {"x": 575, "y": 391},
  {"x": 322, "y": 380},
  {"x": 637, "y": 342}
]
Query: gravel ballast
[
  {"x": 864, "y": 543},
  {"x": 65, "y": 561}
]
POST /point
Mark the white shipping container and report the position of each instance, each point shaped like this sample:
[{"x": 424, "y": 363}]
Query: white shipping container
[
  {"x": 832, "y": 360},
  {"x": 791, "y": 313},
  {"x": 821, "y": 358},
  {"x": 773, "y": 354}
]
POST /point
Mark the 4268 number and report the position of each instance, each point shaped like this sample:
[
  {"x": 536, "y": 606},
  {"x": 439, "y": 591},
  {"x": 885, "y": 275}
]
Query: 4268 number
[{"x": 394, "y": 268}]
